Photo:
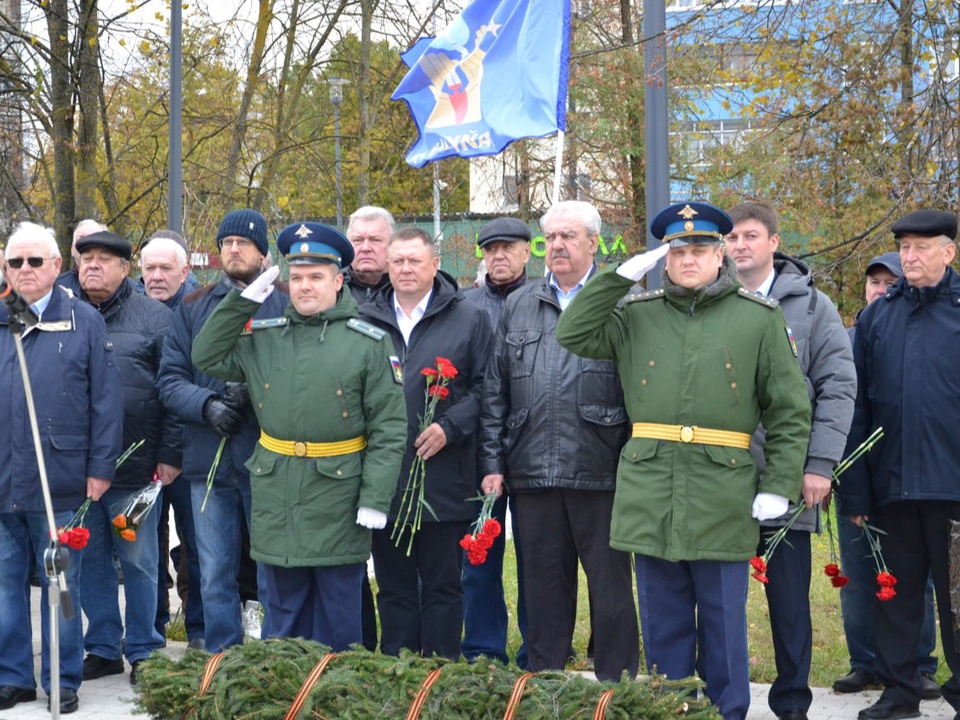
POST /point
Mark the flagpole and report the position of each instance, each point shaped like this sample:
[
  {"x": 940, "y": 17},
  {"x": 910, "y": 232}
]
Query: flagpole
[{"x": 558, "y": 168}]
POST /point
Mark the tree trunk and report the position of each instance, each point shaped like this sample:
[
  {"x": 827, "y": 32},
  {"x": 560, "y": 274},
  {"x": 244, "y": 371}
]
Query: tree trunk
[
  {"x": 61, "y": 122},
  {"x": 363, "y": 100},
  {"x": 88, "y": 109}
]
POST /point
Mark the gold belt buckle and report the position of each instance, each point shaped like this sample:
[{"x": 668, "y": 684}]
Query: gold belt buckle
[
  {"x": 686, "y": 434},
  {"x": 300, "y": 449}
]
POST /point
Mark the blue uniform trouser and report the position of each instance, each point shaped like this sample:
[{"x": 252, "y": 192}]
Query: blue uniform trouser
[
  {"x": 857, "y": 600},
  {"x": 24, "y": 536},
  {"x": 485, "y": 617},
  {"x": 107, "y": 636},
  {"x": 788, "y": 600},
  {"x": 315, "y": 603},
  {"x": 675, "y": 597}
]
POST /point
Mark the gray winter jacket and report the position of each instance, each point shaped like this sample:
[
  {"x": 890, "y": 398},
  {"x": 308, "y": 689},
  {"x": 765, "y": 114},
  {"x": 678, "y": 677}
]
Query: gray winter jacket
[{"x": 826, "y": 360}]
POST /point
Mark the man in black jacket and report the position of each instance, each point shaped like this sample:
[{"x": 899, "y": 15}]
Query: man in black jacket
[
  {"x": 421, "y": 598},
  {"x": 505, "y": 246},
  {"x": 552, "y": 426},
  {"x": 137, "y": 326}
]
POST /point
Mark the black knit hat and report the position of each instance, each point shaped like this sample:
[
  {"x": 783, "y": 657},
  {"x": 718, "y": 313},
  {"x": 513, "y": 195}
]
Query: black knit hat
[{"x": 247, "y": 224}]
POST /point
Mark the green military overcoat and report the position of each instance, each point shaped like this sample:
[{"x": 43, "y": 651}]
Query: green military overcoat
[
  {"x": 720, "y": 359},
  {"x": 324, "y": 378}
]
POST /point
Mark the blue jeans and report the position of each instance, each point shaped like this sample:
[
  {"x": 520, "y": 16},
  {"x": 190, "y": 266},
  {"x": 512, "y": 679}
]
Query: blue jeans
[
  {"x": 485, "y": 617},
  {"x": 218, "y": 545},
  {"x": 107, "y": 636},
  {"x": 23, "y": 539},
  {"x": 178, "y": 496},
  {"x": 857, "y": 601}
]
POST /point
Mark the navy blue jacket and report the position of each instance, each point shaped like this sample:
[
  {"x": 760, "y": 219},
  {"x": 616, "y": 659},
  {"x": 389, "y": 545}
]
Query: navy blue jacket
[
  {"x": 458, "y": 330},
  {"x": 184, "y": 389},
  {"x": 138, "y": 326},
  {"x": 905, "y": 353},
  {"x": 79, "y": 401}
]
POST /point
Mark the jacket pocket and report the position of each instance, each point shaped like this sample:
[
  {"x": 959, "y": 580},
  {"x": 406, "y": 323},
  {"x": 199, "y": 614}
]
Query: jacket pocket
[
  {"x": 522, "y": 348},
  {"x": 261, "y": 463},
  {"x": 729, "y": 457},
  {"x": 603, "y": 415},
  {"x": 515, "y": 422},
  {"x": 67, "y": 441},
  {"x": 639, "y": 449},
  {"x": 340, "y": 467}
]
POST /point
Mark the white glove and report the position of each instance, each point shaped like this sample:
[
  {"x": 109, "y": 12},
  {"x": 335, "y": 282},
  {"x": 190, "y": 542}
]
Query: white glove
[
  {"x": 767, "y": 506},
  {"x": 639, "y": 265},
  {"x": 260, "y": 289},
  {"x": 373, "y": 519}
]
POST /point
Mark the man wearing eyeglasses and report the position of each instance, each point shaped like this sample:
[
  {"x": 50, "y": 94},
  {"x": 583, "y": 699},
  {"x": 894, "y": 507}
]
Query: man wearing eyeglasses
[
  {"x": 212, "y": 412},
  {"x": 79, "y": 400}
]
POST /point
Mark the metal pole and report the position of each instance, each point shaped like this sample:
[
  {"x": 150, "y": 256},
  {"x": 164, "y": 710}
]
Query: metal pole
[
  {"x": 656, "y": 137},
  {"x": 175, "y": 179},
  {"x": 336, "y": 98}
]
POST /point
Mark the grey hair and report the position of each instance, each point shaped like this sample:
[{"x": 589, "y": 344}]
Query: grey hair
[
  {"x": 27, "y": 232},
  {"x": 372, "y": 212},
  {"x": 585, "y": 212},
  {"x": 161, "y": 244},
  {"x": 87, "y": 226}
]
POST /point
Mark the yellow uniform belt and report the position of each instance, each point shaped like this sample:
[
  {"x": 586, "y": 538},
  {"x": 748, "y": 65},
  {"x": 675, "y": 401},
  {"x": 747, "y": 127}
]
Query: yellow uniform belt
[
  {"x": 312, "y": 449},
  {"x": 691, "y": 434}
]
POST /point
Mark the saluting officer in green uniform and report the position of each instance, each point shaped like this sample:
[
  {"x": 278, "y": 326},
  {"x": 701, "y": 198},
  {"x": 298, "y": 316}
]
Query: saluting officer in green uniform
[
  {"x": 333, "y": 432},
  {"x": 701, "y": 361}
]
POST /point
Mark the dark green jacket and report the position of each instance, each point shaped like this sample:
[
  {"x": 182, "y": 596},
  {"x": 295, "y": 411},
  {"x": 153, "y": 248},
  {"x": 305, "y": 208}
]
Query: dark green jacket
[
  {"x": 718, "y": 359},
  {"x": 312, "y": 379}
]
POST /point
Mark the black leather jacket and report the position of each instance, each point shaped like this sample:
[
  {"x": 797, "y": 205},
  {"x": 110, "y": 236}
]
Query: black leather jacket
[{"x": 549, "y": 419}]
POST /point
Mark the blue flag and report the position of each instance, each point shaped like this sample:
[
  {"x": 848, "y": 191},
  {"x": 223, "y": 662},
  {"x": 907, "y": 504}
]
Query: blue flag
[{"x": 496, "y": 74}]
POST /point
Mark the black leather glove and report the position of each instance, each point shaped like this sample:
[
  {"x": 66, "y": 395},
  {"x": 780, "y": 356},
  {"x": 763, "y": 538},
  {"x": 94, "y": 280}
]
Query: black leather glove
[
  {"x": 221, "y": 417},
  {"x": 236, "y": 395}
]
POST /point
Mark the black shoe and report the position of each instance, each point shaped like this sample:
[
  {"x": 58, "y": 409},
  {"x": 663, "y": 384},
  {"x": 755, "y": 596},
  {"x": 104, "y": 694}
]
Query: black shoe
[
  {"x": 793, "y": 715},
  {"x": 929, "y": 687},
  {"x": 10, "y": 695},
  {"x": 196, "y": 644},
  {"x": 854, "y": 681},
  {"x": 886, "y": 710},
  {"x": 69, "y": 702},
  {"x": 133, "y": 671},
  {"x": 95, "y": 667}
]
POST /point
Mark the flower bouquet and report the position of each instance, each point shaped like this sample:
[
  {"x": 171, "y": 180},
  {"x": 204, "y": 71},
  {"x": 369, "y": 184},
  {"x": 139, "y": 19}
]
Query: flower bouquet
[
  {"x": 484, "y": 530},
  {"x": 413, "y": 500},
  {"x": 74, "y": 535},
  {"x": 129, "y": 513},
  {"x": 832, "y": 569},
  {"x": 885, "y": 578}
]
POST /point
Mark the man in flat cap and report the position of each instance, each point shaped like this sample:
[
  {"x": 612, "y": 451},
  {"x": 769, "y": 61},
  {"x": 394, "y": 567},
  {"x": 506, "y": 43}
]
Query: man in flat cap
[
  {"x": 551, "y": 425},
  {"x": 505, "y": 246},
  {"x": 905, "y": 353},
  {"x": 333, "y": 433},
  {"x": 857, "y": 596},
  {"x": 138, "y": 326},
  {"x": 702, "y": 360}
]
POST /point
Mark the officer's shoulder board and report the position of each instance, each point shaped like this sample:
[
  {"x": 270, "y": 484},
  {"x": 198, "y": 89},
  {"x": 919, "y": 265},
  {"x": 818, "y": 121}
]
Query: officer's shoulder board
[
  {"x": 759, "y": 299},
  {"x": 640, "y": 297},
  {"x": 365, "y": 328},
  {"x": 265, "y": 324}
]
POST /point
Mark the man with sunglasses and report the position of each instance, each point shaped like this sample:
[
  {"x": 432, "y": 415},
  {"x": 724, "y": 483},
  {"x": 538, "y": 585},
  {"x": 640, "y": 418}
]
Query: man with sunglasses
[{"x": 79, "y": 400}]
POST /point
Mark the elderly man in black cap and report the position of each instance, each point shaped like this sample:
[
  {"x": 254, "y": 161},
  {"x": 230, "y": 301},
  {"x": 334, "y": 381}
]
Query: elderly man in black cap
[
  {"x": 333, "y": 433},
  {"x": 505, "y": 246},
  {"x": 856, "y": 597},
  {"x": 907, "y": 487},
  {"x": 137, "y": 326}
]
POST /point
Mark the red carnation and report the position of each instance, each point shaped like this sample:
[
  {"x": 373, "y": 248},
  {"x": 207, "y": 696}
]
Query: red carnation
[
  {"x": 477, "y": 557},
  {"x": 492, "y": 527},
  {"x": 839, "y": 581},
  {"x": 887, "y": 593},
  {"x": 758, "y": 564},
  {"x": 886, "y": 580},
  {"x": 430, "y": 373},
  {"x": 439, "y": 390},
  {"x": 446, "y": 368},
  {"x": 484, "y": 541},
  {"x": 761, "y": 577},
  {"x": 832, "y": 570},
  {"x": 467, "y": 542}
]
